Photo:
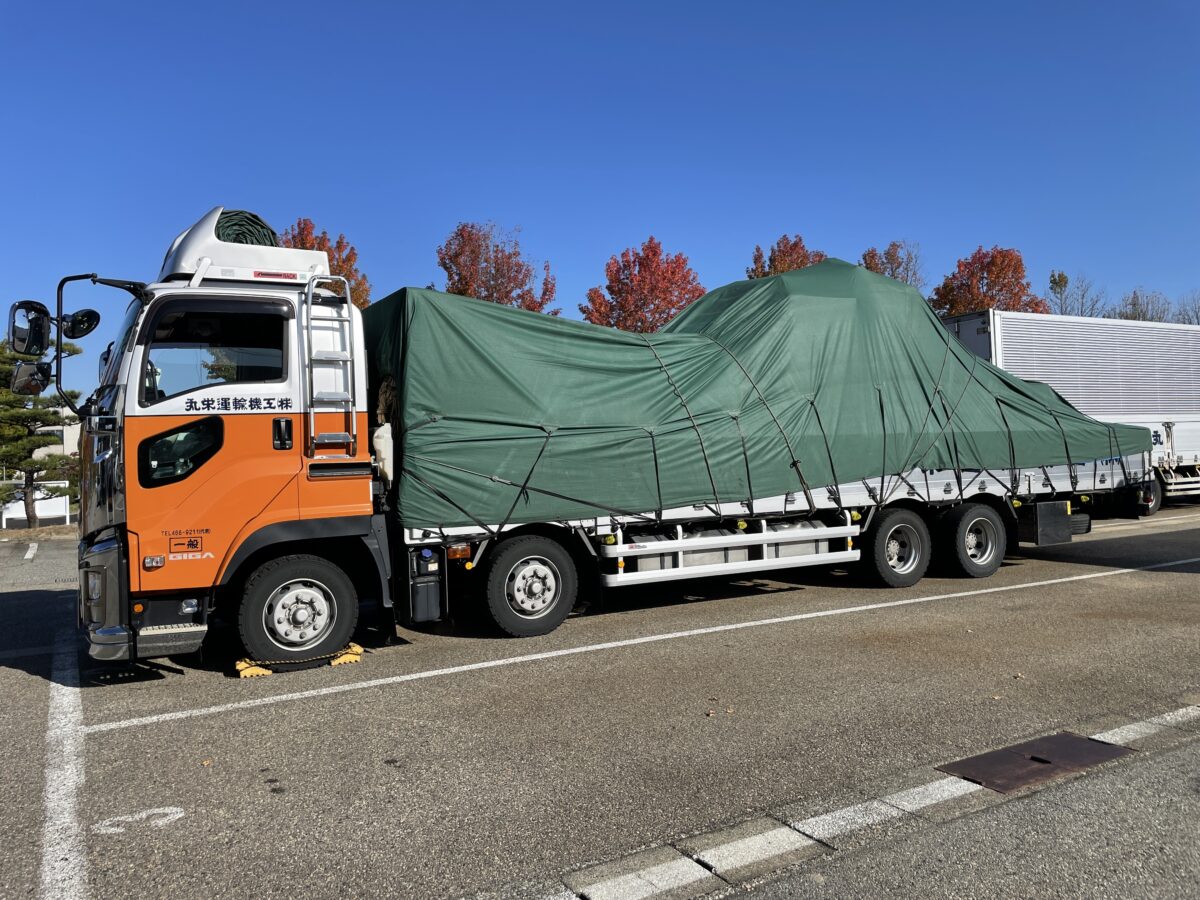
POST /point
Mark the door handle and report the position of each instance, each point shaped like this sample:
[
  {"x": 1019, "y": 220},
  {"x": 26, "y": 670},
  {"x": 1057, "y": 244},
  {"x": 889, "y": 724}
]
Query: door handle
[{"x": 281, "y": 433}]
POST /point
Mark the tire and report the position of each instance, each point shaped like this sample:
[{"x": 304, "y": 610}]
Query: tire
[
  {"x": 976, "y": 540},
  {"x": 1156, "y": 498},
  {"x": 301, "y": 590},
  {"x": 1081, "y": 523},
  {"x": 530, "y": 585},
  {"x": 897, "y": 548}
]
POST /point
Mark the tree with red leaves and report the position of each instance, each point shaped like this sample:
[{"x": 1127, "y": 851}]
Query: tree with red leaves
[
  {"x": 646, "y": 288},
  {"x": 786, "y": 255},
  {"x": 900, "y": 260},
  {"x": 482, "y": 262},
  {"x": 987, "y": 279},
  {"x": 343, "y": 258}
]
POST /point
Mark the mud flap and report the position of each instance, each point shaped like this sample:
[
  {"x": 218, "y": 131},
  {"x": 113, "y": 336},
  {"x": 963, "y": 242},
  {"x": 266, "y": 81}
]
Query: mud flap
[{"x": 1044, "y": 524}]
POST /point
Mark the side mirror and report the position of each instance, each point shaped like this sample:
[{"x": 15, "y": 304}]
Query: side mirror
[
  {"x": 29, "y": 328},
  {"x": 31, "y": 378},
  {"x": 105, "y": 355},
  {"x": 80, "y": 324}
]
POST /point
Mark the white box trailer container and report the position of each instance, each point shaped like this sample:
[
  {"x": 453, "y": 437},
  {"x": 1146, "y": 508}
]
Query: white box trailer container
[{"x": 1138, "y": 373}]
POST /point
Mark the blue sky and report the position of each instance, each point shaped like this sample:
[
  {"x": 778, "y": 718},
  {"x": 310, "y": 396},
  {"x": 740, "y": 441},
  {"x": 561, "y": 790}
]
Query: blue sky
[{"x": 1070, "y": 131}]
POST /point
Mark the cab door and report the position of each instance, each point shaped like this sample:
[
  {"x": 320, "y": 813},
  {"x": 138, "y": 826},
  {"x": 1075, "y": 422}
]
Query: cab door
[{"x": 213, "y": 435}]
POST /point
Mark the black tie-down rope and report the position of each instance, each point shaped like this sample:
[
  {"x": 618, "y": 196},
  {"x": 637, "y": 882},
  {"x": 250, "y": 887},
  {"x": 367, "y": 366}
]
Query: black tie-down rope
[
  {"x": 909, "y": 461},
  {"x": 695, "y": 425},
  {"x": 442, "y": 495},
  {"x": 1066, "y": 450},
  {"x": 1014, "y": 472},
  {"x": 795, "y": 463},
  {"x": 523, "y": 491},
  {"x": 1113, "y": 439},
  {"x": 971, "y": 377},
  {"x": 657, "y": 479},
  {"x": 953, "y": 447},
  {"x": 746, "y": 459},
  {"x": 835, "y": 490}
]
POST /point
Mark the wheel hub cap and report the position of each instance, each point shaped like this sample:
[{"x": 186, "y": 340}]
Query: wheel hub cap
[
  {"x": 980, "y": 541},
  {"x": 298, "y": 614},
  {"x": 902, "y": 549},
  {"x": 532, "y": 586}
]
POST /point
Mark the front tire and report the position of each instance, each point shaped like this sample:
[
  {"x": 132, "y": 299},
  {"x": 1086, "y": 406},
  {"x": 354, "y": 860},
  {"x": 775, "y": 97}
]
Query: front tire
[
  {"x": 977, "y": 540},
  {"x": 897, "y": 548},
  {"x": 297, "y": 608},
  {"x": 530, "y": 584}
]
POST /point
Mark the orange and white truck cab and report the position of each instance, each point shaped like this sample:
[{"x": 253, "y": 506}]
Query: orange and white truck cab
[{"x": 226, "y": 452}]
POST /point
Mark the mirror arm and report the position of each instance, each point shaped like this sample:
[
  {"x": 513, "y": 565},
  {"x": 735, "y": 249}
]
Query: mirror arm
[
  {"x": 91, "y": 276},
  {"x": 137, "y": 288}
]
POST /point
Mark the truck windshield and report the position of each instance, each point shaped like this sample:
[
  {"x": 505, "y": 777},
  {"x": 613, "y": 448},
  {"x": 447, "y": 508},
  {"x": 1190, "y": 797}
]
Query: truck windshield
[{"x": 118, "y": 347}]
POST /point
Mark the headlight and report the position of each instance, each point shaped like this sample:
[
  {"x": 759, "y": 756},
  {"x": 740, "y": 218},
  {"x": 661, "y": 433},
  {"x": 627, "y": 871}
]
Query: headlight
[{"x": 95, "y": 585}]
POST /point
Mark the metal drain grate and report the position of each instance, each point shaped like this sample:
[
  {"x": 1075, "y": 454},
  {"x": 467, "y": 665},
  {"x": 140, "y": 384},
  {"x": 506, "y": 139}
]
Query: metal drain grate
[{"x": 1034, "y": 762}]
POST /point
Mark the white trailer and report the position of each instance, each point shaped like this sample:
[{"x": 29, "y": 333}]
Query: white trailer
[{"x": 1137, "y": 373}]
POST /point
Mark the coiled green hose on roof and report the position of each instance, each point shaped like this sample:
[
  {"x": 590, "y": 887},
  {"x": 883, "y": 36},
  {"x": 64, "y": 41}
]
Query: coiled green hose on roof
[{"x": 239, "y": 226}]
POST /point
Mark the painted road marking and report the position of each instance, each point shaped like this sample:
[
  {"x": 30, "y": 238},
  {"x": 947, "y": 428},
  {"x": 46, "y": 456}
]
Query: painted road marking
[
  {"x": 31, "y": 551},
  {"x": 155, "y": 818},
  {"x": 1177, "y": 716},
  {"x": 596, "y": 648},
  {"x": 749, "y": 850},
  {"x": 647, "y": 882},
  {"x": 63, "y": 873},
  {"x": 928, "y": 794},
  {"x": 1146, "y": 523},
  {"x": 1137, "y": 730},
  {"x": 851, "y": 818},
  {"x": 736, "y": 854}
]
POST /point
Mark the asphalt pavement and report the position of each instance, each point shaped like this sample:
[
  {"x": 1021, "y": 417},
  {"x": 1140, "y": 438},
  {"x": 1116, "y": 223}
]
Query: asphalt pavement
[{"x": 455, "y": 764}]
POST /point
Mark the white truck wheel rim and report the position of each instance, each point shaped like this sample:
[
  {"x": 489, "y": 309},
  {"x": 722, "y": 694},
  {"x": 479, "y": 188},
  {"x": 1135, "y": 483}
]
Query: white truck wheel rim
[
  {"x": 903, "y": 549},
  {"x": 298, "y": 614},
  {"x": 980, "y": 541},
  {"x": 532, "y": 587}
]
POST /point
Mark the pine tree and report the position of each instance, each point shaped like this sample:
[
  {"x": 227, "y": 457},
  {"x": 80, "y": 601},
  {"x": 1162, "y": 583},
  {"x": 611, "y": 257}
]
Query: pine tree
[{"x": 24, "y": 426}]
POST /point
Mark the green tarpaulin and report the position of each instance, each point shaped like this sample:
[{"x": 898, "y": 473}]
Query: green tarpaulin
[{"x": 822, "y": 376}]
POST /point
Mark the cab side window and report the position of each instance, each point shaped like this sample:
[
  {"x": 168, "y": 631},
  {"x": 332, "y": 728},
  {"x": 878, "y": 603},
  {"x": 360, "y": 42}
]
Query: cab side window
[
  {"x": 193, "y": 349},
  {"x": 174, "y": 455}
]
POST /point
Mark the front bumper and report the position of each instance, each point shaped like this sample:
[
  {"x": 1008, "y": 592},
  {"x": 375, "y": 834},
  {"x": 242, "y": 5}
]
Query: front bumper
[
  {"x": 163, "y": 628},
  {"x": 103, "y": 595}
]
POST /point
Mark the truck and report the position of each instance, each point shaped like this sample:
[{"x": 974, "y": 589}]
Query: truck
[
  {"x": 261, "y": 450},
  {"x": 1139, "y": 373}
]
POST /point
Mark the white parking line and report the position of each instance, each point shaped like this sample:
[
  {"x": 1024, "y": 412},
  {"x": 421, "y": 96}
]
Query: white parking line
[
  {"x": 1144, "y": 523},
  {"x": 63, "y": 873},
  {"x": 1176, "y": 716},
  {"x": 596, "y": 648},
  {"x": 658, "y": 879},
  {"x": 928, "y": 794},
  {"x": 841, "y": 821},
  {"x": 1137, "y": 730},
  {"x": 727, "y": 857},
  {"x": 31, "y": 551}
]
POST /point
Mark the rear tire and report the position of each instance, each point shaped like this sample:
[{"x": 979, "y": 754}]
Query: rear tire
[
  {"x": 897, "y": 548},
  {"x": 297, "y": 608},
  {"x": 977, "y": 540},
  {"x": 530, "y": 585},
  {"x": 1156, "y": 498}
]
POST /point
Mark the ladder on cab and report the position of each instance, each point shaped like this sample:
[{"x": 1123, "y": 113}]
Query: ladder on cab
[{"x": 335, "y": 355}]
